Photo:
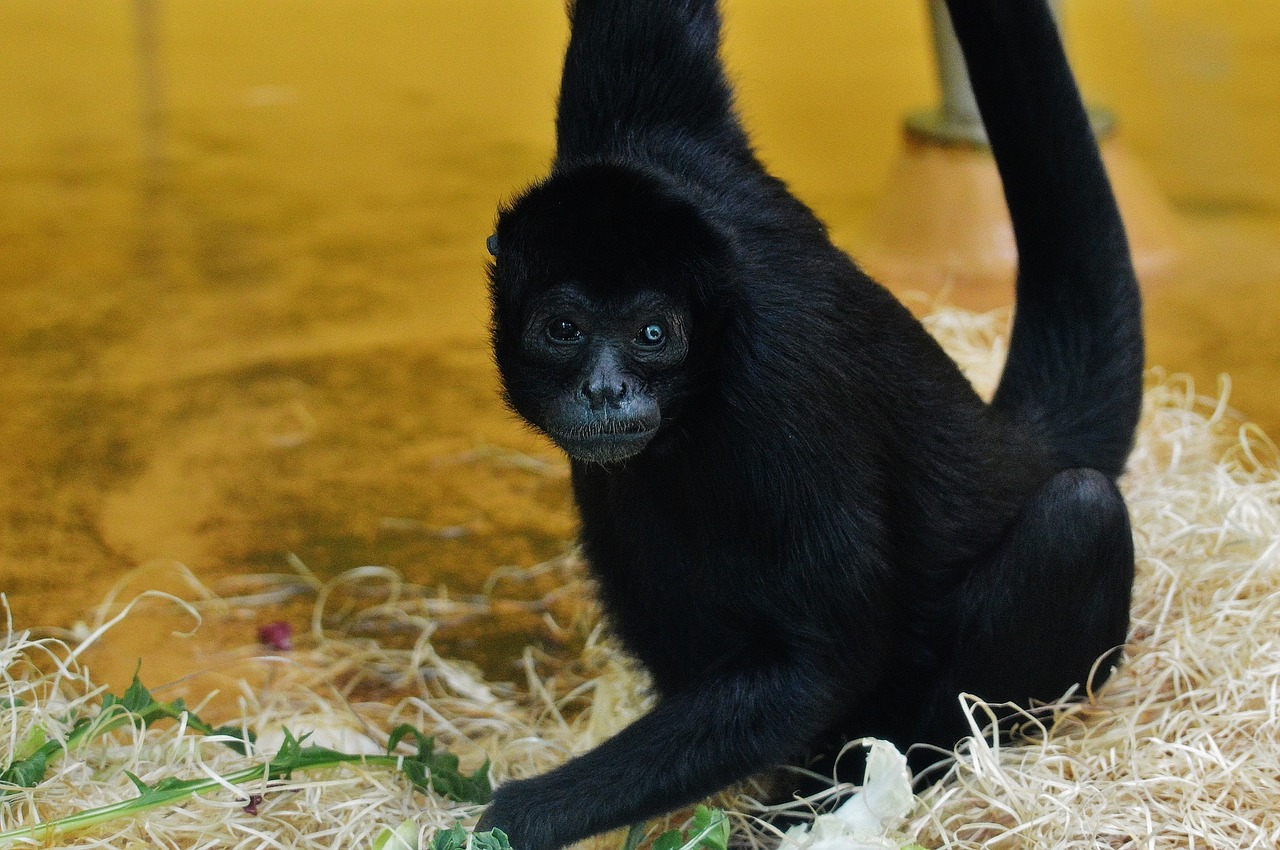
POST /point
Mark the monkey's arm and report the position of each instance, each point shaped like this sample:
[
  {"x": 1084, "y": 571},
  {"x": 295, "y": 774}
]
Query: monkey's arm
[
  {"x": 642, "y": 74},
  {"x": 691, "y": 745}
]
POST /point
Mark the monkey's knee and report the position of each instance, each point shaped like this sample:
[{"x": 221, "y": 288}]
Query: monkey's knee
[
  {"x": 1074, "y": 532},
  {"x": 1055, "y": 599},
  {"x": 1083, "y": 497},
  {"x": 1090, "y": 543}
]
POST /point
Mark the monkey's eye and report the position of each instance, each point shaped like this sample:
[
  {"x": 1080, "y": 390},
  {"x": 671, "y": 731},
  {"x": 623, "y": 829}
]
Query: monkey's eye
[
  {"x": 563, "y": 331},
  {"x": 651, "y": 336}
]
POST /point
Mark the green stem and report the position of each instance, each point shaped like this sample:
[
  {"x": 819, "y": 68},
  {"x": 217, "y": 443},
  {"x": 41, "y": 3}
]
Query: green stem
[{"x": 168, "y": 792}]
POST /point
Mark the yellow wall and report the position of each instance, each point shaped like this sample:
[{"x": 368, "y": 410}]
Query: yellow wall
[{"x": 823, "y": 82}]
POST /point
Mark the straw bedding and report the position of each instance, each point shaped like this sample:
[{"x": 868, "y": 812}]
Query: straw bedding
[{"x": 1180, "y": 749}]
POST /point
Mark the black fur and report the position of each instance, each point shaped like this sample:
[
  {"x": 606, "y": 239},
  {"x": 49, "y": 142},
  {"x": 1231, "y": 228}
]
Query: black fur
[{"x": 802, "y": 519}]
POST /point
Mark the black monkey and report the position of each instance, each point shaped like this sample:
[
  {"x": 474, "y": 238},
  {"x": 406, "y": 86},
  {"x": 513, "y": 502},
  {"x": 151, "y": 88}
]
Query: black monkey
[{"x": 802, "y": 519}]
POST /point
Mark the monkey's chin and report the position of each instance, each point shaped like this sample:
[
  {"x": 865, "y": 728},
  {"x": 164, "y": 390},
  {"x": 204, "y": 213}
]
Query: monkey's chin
[{"x": 604, "y": 448}]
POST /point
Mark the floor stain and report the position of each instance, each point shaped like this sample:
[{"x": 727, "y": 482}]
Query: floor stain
[{"x": 272, "y": 342}]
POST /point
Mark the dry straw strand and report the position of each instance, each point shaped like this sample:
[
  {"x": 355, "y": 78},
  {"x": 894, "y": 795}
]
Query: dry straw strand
[{"x": 1181, "y": 748}]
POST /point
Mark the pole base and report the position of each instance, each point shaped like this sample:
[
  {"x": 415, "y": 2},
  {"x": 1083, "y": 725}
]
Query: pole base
[{"x": 941, "y": 226}]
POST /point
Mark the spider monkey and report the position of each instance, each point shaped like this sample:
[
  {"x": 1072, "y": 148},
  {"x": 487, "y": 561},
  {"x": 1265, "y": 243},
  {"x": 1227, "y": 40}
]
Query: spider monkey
[{"x": 802, "y": 519}]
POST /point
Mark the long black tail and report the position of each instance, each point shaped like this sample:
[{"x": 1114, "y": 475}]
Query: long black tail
[
  {"x": 644, "y": 74},
  {"x": 1076, "y": 351}
]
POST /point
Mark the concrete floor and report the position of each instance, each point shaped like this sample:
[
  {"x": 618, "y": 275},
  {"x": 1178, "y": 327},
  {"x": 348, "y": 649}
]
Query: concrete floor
[{"x": 284, "y": 351}]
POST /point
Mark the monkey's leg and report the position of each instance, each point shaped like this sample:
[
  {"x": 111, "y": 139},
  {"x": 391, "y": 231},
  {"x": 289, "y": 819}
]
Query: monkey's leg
[{"x": 1049, "y": 606}]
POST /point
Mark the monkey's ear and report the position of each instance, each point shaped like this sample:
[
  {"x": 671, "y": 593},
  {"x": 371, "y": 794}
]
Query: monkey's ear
[{"x": 492, "y": 244}]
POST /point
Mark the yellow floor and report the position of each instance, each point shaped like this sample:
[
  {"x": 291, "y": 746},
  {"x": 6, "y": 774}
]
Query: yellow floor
[{"x": 285, "y": 351}]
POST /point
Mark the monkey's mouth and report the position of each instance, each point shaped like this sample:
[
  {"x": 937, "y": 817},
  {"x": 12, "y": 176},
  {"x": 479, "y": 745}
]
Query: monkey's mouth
[{"x": 608, "y": 441}]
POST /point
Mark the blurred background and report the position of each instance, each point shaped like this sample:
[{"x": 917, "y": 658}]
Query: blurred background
[{"x": 242, "y": 290}]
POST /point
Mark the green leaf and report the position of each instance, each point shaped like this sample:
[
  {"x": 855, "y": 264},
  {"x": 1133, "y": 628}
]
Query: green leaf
[
  {"x": 31, "y": 743},
  {"x": 137, "y": 698},
  {"x": 454, "y": 838},
  {"x": 143, "y": 788},
  {"x": 465, "y": 789},
  {"x": 11, "y": 702},
  {"x": 138, "y": 702},
  {"x": 404, "y": 730},
  {"x": 672, "y": 839},
  {"x": 457, "y": 838},
  {"x": 27, "y": 772},
  {"x": 292, "y": 756},
  {"x": 494, "y": 839},
  {"x": 434, "y": 770},
  {"x": 438, "y": 772},
  {"x": 710, "y": 830}
]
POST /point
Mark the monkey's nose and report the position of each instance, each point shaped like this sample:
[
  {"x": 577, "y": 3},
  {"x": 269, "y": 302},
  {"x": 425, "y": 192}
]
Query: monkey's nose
[{"x": 600, "y": 394}]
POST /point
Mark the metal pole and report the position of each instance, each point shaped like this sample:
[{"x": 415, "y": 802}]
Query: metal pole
[{"x": 956, "y": 120}]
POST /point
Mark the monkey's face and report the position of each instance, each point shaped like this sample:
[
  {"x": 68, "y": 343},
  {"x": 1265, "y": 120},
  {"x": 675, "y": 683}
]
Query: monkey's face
[
  {"x": 597, "y": 376},
  {"x": 600, "y": 307}
]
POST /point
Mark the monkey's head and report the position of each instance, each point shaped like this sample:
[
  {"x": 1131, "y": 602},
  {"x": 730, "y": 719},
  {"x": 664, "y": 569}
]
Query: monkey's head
[{"x": 601, "y": 289}]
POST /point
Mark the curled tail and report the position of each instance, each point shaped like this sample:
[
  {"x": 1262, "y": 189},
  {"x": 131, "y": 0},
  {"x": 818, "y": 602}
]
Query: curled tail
[{"x": 1076, "y": 350}]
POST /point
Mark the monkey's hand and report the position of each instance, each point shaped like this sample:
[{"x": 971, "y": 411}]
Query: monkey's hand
[
  {"x": 525, "y": 812},
  {"x": 692, "y": 744}
]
